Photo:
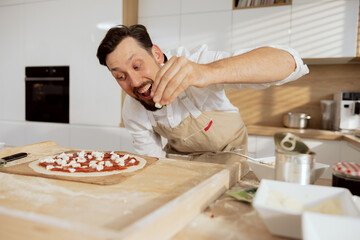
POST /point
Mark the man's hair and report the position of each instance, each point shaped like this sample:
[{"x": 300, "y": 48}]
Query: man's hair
[{"x": 116, "y": 34}]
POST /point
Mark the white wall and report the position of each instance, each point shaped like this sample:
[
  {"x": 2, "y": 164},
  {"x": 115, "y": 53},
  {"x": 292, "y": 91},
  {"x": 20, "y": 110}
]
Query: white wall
[
  {"x": 60, "y": 32},
  {"x": 315, "y": 28}
]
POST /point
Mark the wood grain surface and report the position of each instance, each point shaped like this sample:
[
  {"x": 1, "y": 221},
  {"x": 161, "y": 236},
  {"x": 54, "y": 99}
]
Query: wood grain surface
[{"x": 154, "y": 204}]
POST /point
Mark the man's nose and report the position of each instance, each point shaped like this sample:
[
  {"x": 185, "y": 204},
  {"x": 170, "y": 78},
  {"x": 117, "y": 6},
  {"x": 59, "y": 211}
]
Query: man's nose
[{"x": 135, "y": 80}]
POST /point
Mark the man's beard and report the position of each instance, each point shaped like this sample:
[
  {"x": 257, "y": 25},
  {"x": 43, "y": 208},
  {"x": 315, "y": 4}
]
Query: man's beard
[{"x": 148, "y": 106}]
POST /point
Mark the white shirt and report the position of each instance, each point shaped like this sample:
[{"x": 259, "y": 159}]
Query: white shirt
[{"x": 211, "y": 98}]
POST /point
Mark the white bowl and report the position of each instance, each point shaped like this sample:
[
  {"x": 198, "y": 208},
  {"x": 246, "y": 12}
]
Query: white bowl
[
  {"x": 264, "y": 168},
  {"x": 281, "y": 204},
  {"x": 316, "y": 226}
]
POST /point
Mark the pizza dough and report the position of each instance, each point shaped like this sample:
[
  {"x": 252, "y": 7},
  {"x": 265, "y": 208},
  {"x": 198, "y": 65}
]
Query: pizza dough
[{"x": 97, "y": 158}]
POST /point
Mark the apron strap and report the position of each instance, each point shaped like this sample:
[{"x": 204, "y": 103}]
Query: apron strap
[{"x": 190, "y": 106}]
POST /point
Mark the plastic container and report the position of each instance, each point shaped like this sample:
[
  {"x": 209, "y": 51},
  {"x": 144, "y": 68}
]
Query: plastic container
[{"x": 347, "y": 175}]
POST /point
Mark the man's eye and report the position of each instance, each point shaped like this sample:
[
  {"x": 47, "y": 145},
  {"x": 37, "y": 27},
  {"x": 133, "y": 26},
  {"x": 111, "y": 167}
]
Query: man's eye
[
  {"x": 122, "y": 77},
  {"x": 136, "y": 67}
]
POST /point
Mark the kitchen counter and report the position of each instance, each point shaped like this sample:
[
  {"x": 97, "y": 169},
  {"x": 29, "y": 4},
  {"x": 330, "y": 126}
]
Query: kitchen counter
[
  {"x": 31, "y": 198},
  {"x": 304, "y": 133},
  {"x": 228, "y": 218}
]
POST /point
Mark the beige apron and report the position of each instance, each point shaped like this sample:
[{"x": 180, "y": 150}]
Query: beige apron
[{"x": 205, "y": 135}]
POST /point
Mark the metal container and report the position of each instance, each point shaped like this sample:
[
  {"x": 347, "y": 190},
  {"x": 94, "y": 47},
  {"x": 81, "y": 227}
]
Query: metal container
[
  {"x": 296, "y": 120},
  {"x": 295, "y": 167}
]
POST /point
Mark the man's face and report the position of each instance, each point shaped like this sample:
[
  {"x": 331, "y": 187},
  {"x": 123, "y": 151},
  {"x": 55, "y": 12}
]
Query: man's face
[{"x": 134, "y": 70}]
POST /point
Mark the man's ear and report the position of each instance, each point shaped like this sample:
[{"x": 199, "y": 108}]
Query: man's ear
[{"x": 158, "y": 54}]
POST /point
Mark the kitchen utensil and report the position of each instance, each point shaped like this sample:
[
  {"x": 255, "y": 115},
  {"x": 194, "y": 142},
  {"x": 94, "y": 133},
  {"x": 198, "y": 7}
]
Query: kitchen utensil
[
  {"x": 296, "y": 120},
  {"x": 264, "y": 168},
  {"x": 242, "y": 155},
  {"x": 288, "y": 142},
  {"x": 295, "y": 167},
  {"x": 5, "y": 160}
]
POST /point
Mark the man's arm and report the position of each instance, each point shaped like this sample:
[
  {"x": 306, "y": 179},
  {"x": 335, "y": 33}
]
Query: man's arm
[{"x": 261, "y": 65}]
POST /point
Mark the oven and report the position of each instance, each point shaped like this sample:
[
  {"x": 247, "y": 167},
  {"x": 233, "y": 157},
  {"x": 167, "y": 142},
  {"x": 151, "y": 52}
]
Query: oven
[{"x": 47, "y": 94}]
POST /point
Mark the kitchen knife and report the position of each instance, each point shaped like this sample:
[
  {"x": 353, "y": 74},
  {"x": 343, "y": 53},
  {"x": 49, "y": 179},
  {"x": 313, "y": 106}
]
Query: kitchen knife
[{"x": 13, "y": 157}]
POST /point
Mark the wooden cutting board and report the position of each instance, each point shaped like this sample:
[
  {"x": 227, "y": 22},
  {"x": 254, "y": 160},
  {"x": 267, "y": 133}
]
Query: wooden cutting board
[
  {"x": 51, "y": 148},
  {"x": 154, "y": 204}
]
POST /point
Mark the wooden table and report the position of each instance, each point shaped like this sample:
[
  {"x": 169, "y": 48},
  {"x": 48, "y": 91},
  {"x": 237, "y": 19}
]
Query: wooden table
[
  {"x": 228, "y": 218},
  {"x": 225, "y": 218}
]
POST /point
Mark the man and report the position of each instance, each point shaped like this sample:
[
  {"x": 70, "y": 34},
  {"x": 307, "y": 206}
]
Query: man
[{"x": 183, "y": 99}]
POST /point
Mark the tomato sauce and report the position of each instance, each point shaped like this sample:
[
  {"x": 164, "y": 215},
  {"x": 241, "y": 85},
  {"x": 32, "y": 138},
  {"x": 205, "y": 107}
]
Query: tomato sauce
[{"x": 85, "y": 166}]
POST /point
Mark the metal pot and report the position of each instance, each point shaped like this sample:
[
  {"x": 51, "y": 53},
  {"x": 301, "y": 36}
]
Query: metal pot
[{"x": 296, "y": 120}]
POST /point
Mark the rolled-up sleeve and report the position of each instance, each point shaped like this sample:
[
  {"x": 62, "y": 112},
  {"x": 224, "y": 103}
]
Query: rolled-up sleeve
[
  {"x": 300, "y": 70},
  {"x": 145, "y": 140}
]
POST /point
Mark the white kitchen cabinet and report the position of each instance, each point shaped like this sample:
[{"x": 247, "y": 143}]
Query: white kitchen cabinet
[
  {"x": 191, "y": 6},
  {"x": 155, "y": 8},
  {"x": 261, "y": 26},
  {"x": 163, "y": 30},
  {"x": 12, "y": 64},
  {"x": 36, "y": 132},
  {"x": 100, "y": 138},
  {"x": 324, "y": 28},
  {"x": 67, "y": 33},
  {"x": 12, "y": 133},
  {"x": 211, "y": 28},
  {"x": 349, "y": 153}
]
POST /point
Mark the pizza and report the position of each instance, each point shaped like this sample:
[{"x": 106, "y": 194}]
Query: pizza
[{"x": 88, "y": 164}]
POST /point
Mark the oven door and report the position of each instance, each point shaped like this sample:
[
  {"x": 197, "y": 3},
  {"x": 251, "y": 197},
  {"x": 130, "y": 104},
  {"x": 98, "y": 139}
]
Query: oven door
[{"x": 47, "y": 99}]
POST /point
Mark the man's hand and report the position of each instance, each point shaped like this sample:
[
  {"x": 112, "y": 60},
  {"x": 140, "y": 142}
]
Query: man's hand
[{"x": 175, "y": 77}]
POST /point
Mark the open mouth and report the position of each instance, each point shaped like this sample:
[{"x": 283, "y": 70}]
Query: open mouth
[{"x": 144, "y": 91}]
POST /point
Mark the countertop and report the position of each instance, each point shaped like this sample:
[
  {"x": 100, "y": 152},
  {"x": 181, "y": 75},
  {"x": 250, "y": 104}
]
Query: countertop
[
  {"x": 228, "y": 218},
  {"x": 304, "y": 133},
  {"x": 225, "y": 218}
]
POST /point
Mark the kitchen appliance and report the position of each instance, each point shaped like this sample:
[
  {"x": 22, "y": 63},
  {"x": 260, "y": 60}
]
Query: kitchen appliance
[
  {"x": 327, "y": 114},
  {"x": 47, "y": 94},
  {"x": 296, "y": 120},
  {"x": 347, "y": 110}
]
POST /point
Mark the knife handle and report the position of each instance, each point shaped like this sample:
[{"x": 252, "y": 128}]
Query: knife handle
[{"x": 15, "y": 156}]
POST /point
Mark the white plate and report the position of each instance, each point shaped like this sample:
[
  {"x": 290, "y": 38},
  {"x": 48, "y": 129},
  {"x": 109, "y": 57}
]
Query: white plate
[
  {"x": 263, "y": 170},
  {"x": 285, "y": 219},
  {"x": 317, "y": 226}
]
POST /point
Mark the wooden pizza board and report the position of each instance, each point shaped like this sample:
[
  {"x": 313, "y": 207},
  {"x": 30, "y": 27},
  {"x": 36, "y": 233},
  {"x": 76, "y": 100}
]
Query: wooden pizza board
[
  {"x": 51, "y": 148},
  {"x": 155, "y": 203}
]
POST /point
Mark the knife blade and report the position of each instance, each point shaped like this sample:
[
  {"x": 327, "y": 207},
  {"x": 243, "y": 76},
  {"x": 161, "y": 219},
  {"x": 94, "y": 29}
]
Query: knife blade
[{"x": 13, "y": 157}]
